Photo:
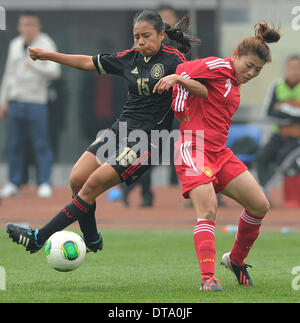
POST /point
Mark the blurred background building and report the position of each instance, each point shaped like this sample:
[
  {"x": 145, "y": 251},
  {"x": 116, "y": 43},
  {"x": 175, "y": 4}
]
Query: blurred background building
[{"x": 81, "y": 103}]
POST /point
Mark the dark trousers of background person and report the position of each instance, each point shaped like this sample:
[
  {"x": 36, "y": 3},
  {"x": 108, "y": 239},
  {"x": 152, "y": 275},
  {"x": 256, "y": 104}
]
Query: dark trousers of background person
[
  {"x": 33, "y": 119},
  {"x": 275, "y": 157},
  {"x": 56, "y": 122},
  {"x": 147, "y": 194}
]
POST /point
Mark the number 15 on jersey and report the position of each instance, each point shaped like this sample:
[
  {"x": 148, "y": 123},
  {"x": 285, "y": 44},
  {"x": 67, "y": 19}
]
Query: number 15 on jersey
[{"x": 143, "y": 86}]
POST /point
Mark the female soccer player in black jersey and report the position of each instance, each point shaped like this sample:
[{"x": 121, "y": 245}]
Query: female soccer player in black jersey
[{"x": 92, "y": 175}]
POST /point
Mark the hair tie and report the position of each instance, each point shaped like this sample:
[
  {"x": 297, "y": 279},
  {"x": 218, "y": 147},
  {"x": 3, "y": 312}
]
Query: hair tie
[{"x": 177, "y": 34}]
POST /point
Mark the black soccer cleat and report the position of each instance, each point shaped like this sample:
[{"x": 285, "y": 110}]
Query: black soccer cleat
[
  {"x": 94, "y": 246},
  {"x": 22, "y": 234},
  {"x": 240, "y": 272}
]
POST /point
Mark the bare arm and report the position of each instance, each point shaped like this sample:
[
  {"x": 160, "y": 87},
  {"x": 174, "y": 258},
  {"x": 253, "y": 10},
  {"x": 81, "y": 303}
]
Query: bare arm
[
  {"x": 82, "y": 62},
  {"x": 193, "y": 86}
]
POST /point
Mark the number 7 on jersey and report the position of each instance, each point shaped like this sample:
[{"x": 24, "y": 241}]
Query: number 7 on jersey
[{"x": 228, "y": 85}]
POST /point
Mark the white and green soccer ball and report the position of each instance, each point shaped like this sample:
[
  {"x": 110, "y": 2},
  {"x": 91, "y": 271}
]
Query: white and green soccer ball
[{"x": 65, "y": 250}]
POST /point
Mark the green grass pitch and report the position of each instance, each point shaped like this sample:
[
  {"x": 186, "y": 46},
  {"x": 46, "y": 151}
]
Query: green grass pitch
[{"x": 151, "y": 267}]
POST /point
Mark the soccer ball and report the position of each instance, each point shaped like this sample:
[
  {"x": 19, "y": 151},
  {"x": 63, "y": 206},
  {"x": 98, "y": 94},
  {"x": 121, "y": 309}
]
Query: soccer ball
[{"x": 65, "y": 250}]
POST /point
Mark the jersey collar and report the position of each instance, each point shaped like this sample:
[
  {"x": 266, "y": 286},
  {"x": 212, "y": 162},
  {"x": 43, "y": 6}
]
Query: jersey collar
[
  {"x": 233, "y": 71},
  {"x": 151, "y": 58}
]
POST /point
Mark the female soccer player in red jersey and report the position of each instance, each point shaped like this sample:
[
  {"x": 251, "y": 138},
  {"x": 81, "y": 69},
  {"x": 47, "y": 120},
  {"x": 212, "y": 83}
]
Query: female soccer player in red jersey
[
  {"x": 142, "y": 67},
  {"x": 215, "y": 168}
]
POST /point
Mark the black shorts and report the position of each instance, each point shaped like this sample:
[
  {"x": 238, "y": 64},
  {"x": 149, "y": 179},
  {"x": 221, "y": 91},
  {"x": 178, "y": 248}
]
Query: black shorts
[{"x": 124, "y": 156}]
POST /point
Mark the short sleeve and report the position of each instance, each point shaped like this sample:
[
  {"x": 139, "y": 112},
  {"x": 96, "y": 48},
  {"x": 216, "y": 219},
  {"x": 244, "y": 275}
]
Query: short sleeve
[
  {"x": 108, "y": 64},
  {"x": 112, "y": 63},
  {"x": 207, "y": 68}
]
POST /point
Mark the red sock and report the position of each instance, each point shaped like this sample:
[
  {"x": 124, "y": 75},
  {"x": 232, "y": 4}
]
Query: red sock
[
  {"x": 204, "y": 241},
  {"x": 248, "y": 231}
]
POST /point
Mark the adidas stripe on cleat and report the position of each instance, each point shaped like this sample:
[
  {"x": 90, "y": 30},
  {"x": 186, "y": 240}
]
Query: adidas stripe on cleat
[
  {"x": 211, "y": 284},
  {"x": 240, "y": 272},
  {"x": 24, "y": 235}
]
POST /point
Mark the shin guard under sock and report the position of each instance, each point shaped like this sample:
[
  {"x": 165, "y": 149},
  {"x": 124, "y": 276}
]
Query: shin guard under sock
[
  {"x": 204, "y": 242},
  {"x": 88, "y": 225},
  {"x": 248, "y": 231},
  {"x": 66, "y": 216}
]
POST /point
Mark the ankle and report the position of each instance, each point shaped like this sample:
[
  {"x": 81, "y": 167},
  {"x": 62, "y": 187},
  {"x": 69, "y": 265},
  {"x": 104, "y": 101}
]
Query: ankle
[
  {"x": 41, "y": 236},
  {"x": 206, "y": 277},
  {"x": 236, "y": 260}
]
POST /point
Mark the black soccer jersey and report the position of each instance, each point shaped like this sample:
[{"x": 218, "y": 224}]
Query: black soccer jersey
[{"x": 143, "y": 109}]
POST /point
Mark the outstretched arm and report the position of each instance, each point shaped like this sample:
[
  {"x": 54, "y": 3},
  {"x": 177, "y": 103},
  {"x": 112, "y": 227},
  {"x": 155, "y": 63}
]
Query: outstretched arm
[{"x": 82, "y": 62}]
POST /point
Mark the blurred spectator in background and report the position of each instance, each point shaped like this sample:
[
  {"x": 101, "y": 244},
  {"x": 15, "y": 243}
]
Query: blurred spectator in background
[
  {"x": 101, "y": 97},
  {"x": 169, "y": 16},
  {"x": 283, "y": 106},
  {"x": 23, "y": 97}
]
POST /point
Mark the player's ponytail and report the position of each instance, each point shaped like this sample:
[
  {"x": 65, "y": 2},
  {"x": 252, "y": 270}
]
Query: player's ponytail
[
  {"x": 258, "y": 45},
  {"x": 265, "y": 33},
  {"x": 181, "y": 34}
]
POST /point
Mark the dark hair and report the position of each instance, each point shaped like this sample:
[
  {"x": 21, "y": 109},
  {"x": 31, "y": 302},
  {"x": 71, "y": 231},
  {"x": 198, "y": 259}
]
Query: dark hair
[
  {"x": 165, "y": 7},
  {"x": 28, "y": 13},
  {"x": 180, "y": 33},
  {"x": 258, "y": 45},
  {"x": 292, "y": 57}
]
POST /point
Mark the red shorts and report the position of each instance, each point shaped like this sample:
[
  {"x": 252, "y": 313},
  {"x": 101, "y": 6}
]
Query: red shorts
[{"x": 217, "y": 167}]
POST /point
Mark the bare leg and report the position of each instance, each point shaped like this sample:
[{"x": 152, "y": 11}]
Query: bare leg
[
  {"x": 83, "y": 168},
  {"x": 98, "y": 182},
  {"x": 245, "y": 190},
  {"x": 204, "y": 201}
]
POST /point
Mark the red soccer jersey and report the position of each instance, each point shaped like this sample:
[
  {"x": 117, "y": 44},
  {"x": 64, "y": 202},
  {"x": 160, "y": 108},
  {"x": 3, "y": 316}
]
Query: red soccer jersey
[{"x": 213, "y": 114}]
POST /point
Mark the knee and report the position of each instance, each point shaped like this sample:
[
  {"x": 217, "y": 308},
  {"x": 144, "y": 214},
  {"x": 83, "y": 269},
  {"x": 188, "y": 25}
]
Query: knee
[
  {"x": 92, "y": 188},
  {"x": 208, "y": 213},
  {"x": 211, "y": 214},
  {"x": 265, "y": 207},
  {"x": 261, "y": 208},
  {"x": 206, "y": 208},
  {"x": 76, "y": 182},
  {"x": 92, "y": 183}
]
